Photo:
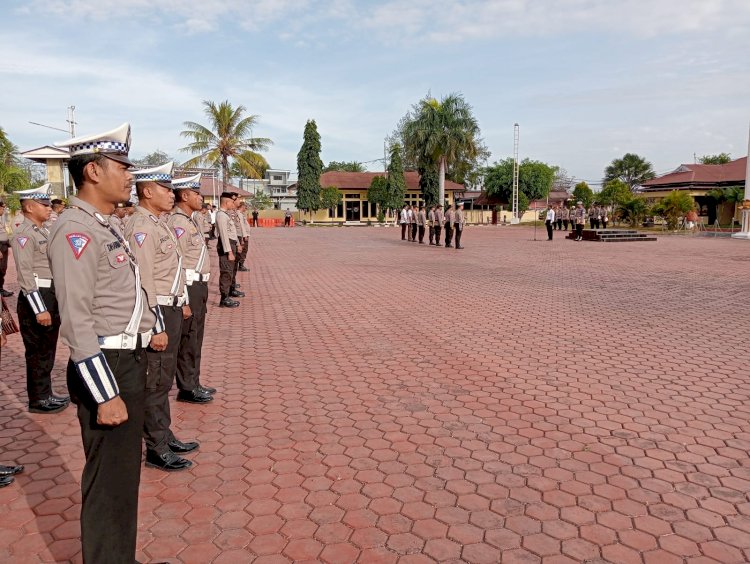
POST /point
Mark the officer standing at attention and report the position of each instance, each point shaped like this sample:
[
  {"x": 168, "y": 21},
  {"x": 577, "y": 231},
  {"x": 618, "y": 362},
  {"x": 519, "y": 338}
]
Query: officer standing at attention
[
  {"x": 184, "y": 221},
  {"x": 238, "y": 256},
  {"x": 244, "y": 234},
  {"x": 163, "y": 278},
  {"x": 421, "y": 223},
  {"x": 38, "y": 317},
  {"x": 5, "y": 232},
  {"x": 431, "y": 224},
  {"x": 226, "y": 247},
  {"x": 458, "y": 223},
  {"x": 120, "y": 215},
  {"x": 439, "y": 219},
  {"x": 105, "y": 322},
  {"x": 449, "y": 220}
]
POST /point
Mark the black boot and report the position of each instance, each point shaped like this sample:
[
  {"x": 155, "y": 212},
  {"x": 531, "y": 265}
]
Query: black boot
[{"x": 169, "y": 461}]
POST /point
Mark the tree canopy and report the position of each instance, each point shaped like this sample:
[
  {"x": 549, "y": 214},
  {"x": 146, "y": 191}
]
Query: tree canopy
[
  {"x": 614, "y": 192},
  {"x": 396, "y": 183},
  {"x": 228, "y": 138},
  {"x": 378, "y": 192},
  {"x": 14, "y": 175},
  {"x": 632, "y": 169},
  {"x": 721, "y": 158},
  {"x": 344, "y": 166},
  {"x": 582, "y": 193},
  {"x": 152, "y": 159},
  {"x": 330, "y": 197},
  {"x": 534, "y": 179},
  {"x": 309, "y": 169}
]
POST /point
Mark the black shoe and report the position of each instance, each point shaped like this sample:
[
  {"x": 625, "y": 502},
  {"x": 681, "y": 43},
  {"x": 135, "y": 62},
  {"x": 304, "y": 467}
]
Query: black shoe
[
  {"x": 235, "y": 286},
  {"x": 236, "y": 294},
  {"x": 449, "y": 246},
  {"x": 59, "y": 399},
  {"x": 226, "y": 302},
  {"x": 6, "y": 481},
  {"x": 10, "y": 470},
  {"x": 206, "y": 389},
  {"x": 169, "y": 461},
  {"x": 243, "y": 269},
  {"x": 178, "y": 447},
  {"x": 462, "y": 247},
  {"x": 5, "y": 294},
  {"x": 47, "y": 406},
  {"x": 421, "y": 242},
  {"x": 194, "y": 396}
]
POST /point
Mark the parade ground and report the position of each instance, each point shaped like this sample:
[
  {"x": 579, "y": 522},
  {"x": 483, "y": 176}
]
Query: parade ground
[{"x": 384, "y": 401}]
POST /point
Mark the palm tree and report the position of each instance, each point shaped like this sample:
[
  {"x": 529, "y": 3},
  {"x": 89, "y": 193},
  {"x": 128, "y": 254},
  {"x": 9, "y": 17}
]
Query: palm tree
[
  {"x": 442, "y": 133},
  {"x": 631, "y": 169},
  {"x": 227, "y": 137}
]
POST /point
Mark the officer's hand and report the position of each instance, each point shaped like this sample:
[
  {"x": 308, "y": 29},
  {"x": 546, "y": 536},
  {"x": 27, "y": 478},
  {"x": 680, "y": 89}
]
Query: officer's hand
[
  {"x": 231, "y": 256},
  {"x": 3, "y": 340},
  {"x": 187, "y": 313},
  {"x": 44, "y": 319},
  {"x": 239, "y": 248},
  {"x": 159, "y": 341},
  {"x": 112, "y": 412}
]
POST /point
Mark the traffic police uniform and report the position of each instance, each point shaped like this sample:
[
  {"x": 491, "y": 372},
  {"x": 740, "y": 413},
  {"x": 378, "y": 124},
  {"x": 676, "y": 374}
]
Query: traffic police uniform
[
  {"x": 421, "y": 223},
  {"x": 244, "y": 233},
  {"x": 239, "y": 256},
  {"x": 190, "y": 238},
  {"x": 227, "y": 241},
  {"x": 438, "y": 224},
  {"x": 458, "y": 224},
  {"x": 449, "y": 219},
  {"x": 163, "y": 276},
  {"x": 29, "y": 244},
  {"x": 104, "y": 322}
]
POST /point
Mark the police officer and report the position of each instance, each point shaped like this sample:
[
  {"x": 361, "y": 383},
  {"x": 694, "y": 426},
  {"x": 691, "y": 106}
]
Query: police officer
[
  {"x": 431, "y": 224},
  {"x": 439, "y": 220},
  {"x": 184, "y": 221},
  {"x": 421, "y": 223},
  {"x": 226, "y": 247},
  {"x": 244, "y": 234},
  {"x": 458, "y": 224},
  {"x": 449, "y": 220},
  {"x": 38, "y": 316},
  {"x": 105, "y": 322},
  {"x": 5, "y": 232},
  {"x": 120, "y": 216},
  {"x": 163, "y": 278}
]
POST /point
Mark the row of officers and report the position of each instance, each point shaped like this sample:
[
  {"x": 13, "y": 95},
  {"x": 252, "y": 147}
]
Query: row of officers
[
  {"x": 127, "y": 292},
  {"x": 415, "y": 221}
]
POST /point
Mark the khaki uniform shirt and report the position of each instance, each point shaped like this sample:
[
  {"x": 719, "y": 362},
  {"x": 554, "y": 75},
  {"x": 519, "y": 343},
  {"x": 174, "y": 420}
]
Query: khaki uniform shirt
[
  {"x": 158, "y": 254},
  {"x": 226, "y": 230},
  {"x": 450, "y": 217},
  {"x": 204, "y": 222},
  {"x": 431, "y": 218},
  {"x": 191, "y": 242},
  {"x": 580, "y": 215},
  {"x": 234, "y": 215},
  {"x": 421, "y": 218},
  {"x": 29, "y": 246},
  {"x": 458, "y": 217},
  {"x": 439, "y": 218},
  {"x": 98, "y": 290},
  {"x": 5, "y": 229},
  {"x": 244, "y": 225}
]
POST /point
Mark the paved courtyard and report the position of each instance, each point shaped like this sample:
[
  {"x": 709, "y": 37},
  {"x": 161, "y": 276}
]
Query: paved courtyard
[{"x": 382, "y": 401}]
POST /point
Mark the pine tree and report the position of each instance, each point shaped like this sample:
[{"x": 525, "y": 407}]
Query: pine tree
[
  {"x": 309, "y": 169},
  {"x": 396, "y": 179}
]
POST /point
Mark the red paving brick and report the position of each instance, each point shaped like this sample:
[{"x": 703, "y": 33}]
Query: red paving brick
[{"x": 381, "y": 401}]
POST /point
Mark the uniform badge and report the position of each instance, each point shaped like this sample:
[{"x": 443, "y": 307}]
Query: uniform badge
[
  {"x": 22, "y": 241},
  {"x": 139, "y": 238},
  {"x": 179, "y": 231},
  {"x": 78, "y": 242},
  {"x": 120, "y": 258}
]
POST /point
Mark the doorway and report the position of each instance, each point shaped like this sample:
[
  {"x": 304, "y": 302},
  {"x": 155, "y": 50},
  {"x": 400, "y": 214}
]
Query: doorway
[{"x": 353, "y": 212}]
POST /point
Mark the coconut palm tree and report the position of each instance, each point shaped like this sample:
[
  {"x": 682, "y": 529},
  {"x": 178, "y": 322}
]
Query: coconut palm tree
[
  {"x": 228, "y": 137},
  {"x": 441, "y": 132}
]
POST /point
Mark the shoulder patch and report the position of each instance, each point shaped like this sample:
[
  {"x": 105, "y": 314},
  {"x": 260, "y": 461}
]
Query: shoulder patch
[
  {"x": 22, "y": 241},
  {"x": 78, "y": 242},
  {"x": 179, "y": 231},
  {"x": 139, "y": 238}
]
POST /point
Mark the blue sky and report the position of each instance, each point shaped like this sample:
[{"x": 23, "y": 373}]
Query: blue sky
[{"x": 587, "y": 80}]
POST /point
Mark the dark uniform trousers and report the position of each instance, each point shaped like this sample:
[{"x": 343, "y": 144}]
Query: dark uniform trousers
[
  {"x": 226, "y": 267},
  {"x": 5, "y": 251},
  {"x": 432, "y": 234},
  {"x": 241, "y": 258},
  {"x": 159, "y": 380},
  {"x": 404, "y": 227},
  {"x": 40, "y": 343},
  {"x": 112, "y": 474},
  {"x": 438, "y": 229},
  {"x": 458, "y": 231},
  {"x": 237, "y": 257},
  {"x": 448, "y": 234},
  {"x": 421, "y": 233},
  {"x": 191, "y": 342},
  {"x": 413, "y": 231},
  {"x": 548, "y": 225}
]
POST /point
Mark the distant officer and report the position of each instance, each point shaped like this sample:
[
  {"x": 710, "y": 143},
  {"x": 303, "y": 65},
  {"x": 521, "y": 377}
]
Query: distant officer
[
  {"x": 163, "y": 279},
  {"x": 184, "y": 222},
  {"x": 458, "y": 224},
  {"x": 404, "y": 221},
  {"x": 439, "y": 220},
  {"x": 565, "y": 216},
  {"x": 105, "y": 321},
  {"x": 549, "y": 221},
  {"x": 120, "y": 215},
  {"x": 580, "y": 218},
  {"x": 413, "y": 223},
  {"x": 203, "y": 218},
  {"x": 226, "y": 247},
  {"x": 38, "y": 316},
  {"x": 449, "y": 220},
  {"x": 234, "y": 215},
  {"x": 5, "y": 231},
  {"x": 244, "y": 234},
  {"x": 431, "y": 224},
  {"x": 421, "y": 223}
]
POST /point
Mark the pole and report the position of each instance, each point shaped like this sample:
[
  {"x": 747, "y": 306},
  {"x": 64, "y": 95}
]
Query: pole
[
  {"x": 515, "y": 215},
  {"x": 744, "y": 232}
]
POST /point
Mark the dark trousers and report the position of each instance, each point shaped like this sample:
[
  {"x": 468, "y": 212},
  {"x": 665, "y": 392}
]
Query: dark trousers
[
  {"x": 109, "y": 513},
  {"x": 5, "y": 251},
  {"x": 159, "y": 379},
  {"x": 212, "y": 233},
  {"x": 579, "y": 230},
  {"x": 255, "y": 221},
  {"x": 241, "y": 256},
  {"x": 596, "y": 224},
  {"x": 413, "y": 231},
  {"x": 40, "y": 343},
  {"x": 191, "y": 341},
  {"x": 448, "y": 234},
  {"x": 458, "y": 230},
  {"x": 287, "y": 221},
  {"x": 591, "y": 223},
  {"x": 438, "y": 230},
  {"x": 559, "y": 224},
  {"x": 403, "y": 231},
  {"x": 421, "y": 233},
  {"x": 432, "y": 235},
  {"x": 238, "y": 258},
  {"x": 565, "y": 224},
  {"x": 226, "y": 267},
  {"x": 604, "y": 223},
  {"x": 548, "y": 225}
]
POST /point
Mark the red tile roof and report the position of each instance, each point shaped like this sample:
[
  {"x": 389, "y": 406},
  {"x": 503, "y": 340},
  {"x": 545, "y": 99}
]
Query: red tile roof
[
  {"x": 362, "y": 180},
  {"x": 701, "y": 176}
]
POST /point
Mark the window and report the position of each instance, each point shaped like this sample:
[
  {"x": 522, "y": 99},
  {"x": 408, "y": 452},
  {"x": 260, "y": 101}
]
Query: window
[
  {"x": 365, "y": 208},
  {"x": 373, "y": 209},
  {"x": 278, "y": 177},
  {"x": 340, "y": 210},
  {"x": 352, "y": 196}
]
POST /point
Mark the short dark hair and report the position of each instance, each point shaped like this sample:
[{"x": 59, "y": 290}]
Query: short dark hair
[
  {"x": 57, "y": 202},
  {"x": 77, "y": 163}
]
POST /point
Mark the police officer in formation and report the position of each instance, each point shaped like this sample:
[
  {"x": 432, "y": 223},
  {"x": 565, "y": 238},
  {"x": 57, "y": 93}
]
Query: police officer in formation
[
  {"x": 38, "y": 316},
  {"x": 244, "y": 235},
  {"x": 163, "y": 278},
  {"x": 241, "y": 248},
  {"x": 106, "y": 323},
  {"x": 186, "y": 220},
  {"x": 226, "y": 247}
]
